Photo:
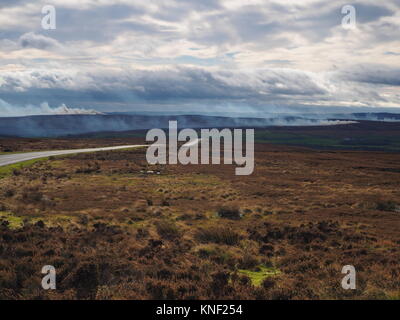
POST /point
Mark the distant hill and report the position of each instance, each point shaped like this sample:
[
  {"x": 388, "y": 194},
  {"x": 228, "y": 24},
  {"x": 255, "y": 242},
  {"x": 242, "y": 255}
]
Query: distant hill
[{"x": 62, "y": 125}]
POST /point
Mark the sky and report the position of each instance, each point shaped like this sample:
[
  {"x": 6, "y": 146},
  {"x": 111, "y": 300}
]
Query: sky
[{"x": 198, "y": 56}]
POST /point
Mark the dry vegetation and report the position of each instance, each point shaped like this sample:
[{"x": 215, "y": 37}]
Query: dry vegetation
[
  {"x": 114, "y": 231},
  {"x": 8, "y": 145}
]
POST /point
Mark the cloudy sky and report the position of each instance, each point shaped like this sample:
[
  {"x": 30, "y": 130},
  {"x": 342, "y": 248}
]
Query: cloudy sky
[{"x": 198, "y": 56}]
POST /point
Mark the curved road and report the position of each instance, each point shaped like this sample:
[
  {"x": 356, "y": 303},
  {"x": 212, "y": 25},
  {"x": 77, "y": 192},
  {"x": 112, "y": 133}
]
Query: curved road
[{"x": 20, "y": 157}]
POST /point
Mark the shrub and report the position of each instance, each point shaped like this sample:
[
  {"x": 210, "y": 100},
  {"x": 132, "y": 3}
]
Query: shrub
[
  {"x": 90, "y": 168},
  {"x": 220, "y": 281},
  {"x": 229, "y": 212},
  {"x": 165, "y": 203},
  {"x": 3, "y": 207},
  {"x": 268, "y": 283},
  {"x": 220, "y": 235},
  {"x": 31, "y": 194},
  {"x": 248, "y": 261},
  {"x": 167, "y": 230},
  {"x": 8, "y": 193},
  {"x": 86, "y": 280},
  {"x": 386, "y": 206}
]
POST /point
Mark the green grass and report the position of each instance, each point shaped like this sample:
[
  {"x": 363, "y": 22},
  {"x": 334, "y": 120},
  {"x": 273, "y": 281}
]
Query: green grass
[
  {"x": 8, "y": 169},
  {"x": 16, "y": 222},
  {"x": 262, "y": 272},
  {"x": 12, "y": 152}
]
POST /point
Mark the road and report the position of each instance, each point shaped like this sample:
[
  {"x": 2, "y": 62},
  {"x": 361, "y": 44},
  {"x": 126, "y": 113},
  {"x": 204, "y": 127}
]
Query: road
[
  {"x": 20, "y": 157},
  {"x": 7, "y": 159}
]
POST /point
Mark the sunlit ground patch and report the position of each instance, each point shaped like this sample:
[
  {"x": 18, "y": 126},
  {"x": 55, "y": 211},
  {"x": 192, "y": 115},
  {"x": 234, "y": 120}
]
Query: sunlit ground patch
[
  {"x": 259, "y": 274},
  {"x": 16, "y": 222},
  {"x": 9, "y": 169}
]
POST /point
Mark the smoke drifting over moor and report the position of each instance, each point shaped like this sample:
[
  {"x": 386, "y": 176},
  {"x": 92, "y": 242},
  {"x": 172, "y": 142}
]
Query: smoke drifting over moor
[
  {"x": 61, "y": 125},
  {"x": 9, "y": 110}
]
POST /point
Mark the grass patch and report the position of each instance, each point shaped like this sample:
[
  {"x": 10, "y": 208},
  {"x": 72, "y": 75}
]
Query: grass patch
[
  {"x": 393, "y": 295},
  {"x": 11, "y": 168},
  {"x": 167, "y": 230},
  {"x": 221, "y": 235},
  {"x": 15, "y": 222},
  {"x": 215, "y": 253},
  {"x": 259, "y": 274}
]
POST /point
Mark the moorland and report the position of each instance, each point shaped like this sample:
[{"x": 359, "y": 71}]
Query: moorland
[{"x": 115, "y": 227}]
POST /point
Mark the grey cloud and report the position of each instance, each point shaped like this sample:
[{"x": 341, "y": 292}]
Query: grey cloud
[
  {"x": 368, "y": 13},
  {"x": 173, "y": 83},
  {"x": 373, "y": 74},
  {"x": 179, "y": 87},
  {"x": 99, "y": 24},
  {"x": 318, "y": 20},
  {"x": 10, "y": 3},
  {"x": 179, "y": 9},
  {"x": 37, "y": 41}
]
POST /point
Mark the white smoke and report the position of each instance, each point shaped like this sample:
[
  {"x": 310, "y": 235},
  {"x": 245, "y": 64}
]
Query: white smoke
[
  {"x": 8, "y": 110},
  {"x": 334, "y": 122}
]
